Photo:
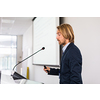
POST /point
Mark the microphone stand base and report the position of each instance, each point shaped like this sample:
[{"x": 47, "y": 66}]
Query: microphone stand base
[{"x": 17, "y": 76}]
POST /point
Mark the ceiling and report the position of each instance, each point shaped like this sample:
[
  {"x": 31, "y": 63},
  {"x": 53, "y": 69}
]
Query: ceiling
[{"x": 14, "y": 25}]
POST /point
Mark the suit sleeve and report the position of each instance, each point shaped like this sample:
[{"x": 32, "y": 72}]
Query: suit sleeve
[
  {"x": 53, "y": 71},
  {"x": 75, "y": 70}
]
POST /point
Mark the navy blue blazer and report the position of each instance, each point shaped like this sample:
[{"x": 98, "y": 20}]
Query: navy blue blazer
[{"x": 70, "y": 66}]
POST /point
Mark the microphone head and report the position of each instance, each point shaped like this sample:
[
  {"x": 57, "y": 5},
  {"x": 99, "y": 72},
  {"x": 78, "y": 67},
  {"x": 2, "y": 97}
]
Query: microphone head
[{"x": 43, "y": 48}]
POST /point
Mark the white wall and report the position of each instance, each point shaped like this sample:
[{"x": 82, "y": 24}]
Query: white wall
[
  {"x": 87, "y": 38},
  {"x": 19, "y": 53},
  {"x": 27, "y": 49},
  {"x": 36, "y": 72}
]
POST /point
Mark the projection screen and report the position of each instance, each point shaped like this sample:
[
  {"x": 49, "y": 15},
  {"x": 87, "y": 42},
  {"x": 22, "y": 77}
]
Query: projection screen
[{"x": 44, "y": 35}]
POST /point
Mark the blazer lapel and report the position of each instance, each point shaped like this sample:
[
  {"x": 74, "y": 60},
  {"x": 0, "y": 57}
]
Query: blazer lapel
[{"x": 66, "y": 51}]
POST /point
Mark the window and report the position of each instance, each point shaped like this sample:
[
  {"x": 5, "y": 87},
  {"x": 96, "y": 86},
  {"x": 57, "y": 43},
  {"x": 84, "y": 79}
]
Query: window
[{"x": 8, "y": 48}]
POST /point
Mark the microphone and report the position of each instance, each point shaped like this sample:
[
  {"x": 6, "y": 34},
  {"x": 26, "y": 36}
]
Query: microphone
[
  {"x": 43, "y": 48},
  {"x": 15, "y": 75}
]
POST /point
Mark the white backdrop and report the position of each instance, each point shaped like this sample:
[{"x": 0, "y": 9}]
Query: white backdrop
[{"x": 87, "y": 38}]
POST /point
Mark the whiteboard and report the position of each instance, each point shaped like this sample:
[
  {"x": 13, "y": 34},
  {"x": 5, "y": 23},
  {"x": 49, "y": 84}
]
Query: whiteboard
[{"x": 44, "y": 35}]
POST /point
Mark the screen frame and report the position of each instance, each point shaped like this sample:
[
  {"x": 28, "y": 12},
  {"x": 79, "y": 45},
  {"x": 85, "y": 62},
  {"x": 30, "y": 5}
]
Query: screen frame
[{"x": 60, "y": 48}]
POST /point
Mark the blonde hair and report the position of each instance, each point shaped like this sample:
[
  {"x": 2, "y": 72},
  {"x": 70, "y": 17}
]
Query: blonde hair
[{"x": 67, "y": 32}]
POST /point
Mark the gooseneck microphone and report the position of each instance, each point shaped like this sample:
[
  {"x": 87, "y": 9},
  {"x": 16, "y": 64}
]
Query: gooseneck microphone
[
  {"x": 15, "y": 75},
  {"x": 29, "y": 57},
  {"x": 43, "y": 48}
]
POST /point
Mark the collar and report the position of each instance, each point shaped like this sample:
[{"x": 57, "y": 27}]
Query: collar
[{"x": 64, "y": 48}]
